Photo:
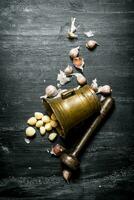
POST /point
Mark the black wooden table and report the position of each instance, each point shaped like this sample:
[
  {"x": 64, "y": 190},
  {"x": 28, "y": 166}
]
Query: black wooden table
[{"x": 34, "y": 47}]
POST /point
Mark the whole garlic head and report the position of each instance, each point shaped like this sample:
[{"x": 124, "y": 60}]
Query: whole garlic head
[
  {"x": 51, "y": 91},
  {"x": 74, "y": 52}
]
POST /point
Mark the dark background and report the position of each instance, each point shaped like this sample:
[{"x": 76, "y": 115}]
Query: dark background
[{"x": 33, "y": 47}]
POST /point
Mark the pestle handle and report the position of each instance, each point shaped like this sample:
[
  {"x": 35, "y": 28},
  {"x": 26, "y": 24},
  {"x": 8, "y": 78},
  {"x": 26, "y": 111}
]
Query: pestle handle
[{"x": 108, "y": 103}]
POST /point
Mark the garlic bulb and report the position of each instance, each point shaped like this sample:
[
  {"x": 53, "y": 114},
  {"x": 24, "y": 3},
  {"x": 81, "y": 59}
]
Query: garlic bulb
[
  {"x": 68, "y": 70},
  {"x": 79, "y": 62},
  {"x": 91, "y": 44},
  {"x": 81, "y": 79},
  {"x": 74, "y": 52},
  {"x": 51, "y": 91},
  {"x": 105, "y": 90}
]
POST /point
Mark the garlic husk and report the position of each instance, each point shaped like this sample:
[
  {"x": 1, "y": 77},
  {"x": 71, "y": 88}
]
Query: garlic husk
[
  {"x": 104, "y": 90},
  {"x": 73, "y": 27},
  {"x": 68, "y": 70},
  {"x": 72, "y": 35},
  {"x": 74, "y": 52},
  {"x": 78, "y": 63},
  {"x": 51, "y": 91},
  {"x": 94, "y": 85},
  {"x": 81, "y": 79},
  {"x": 62, "y": 78},
  {"x": 89, "y": 34},
  {"x": 91, "y": 44}
]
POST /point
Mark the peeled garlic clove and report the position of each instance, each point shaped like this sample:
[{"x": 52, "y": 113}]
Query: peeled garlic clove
[
  {"x": 57, "y": 150},
  {"x": 79, "y": 62},
  {"x": 68, "y": 70},
  {"x": 72, "y": 35},
  {"x": 74, "y": 52},
  {"x": 48, "y": 127},
  {"x": 46, "y": 119},
  {"x": 32, "y": 121},
  {"x": 53, "y": 117},
  {"x": 51, "y": 91},
  {"x": 38, "y": 115},
  {"x": 91, "y": 44},
  {"x": 53, "y": 123},
  {"x": 39, "y": 123},
  {"x": 30, "y": 131},
  {"x": 52, "y": 136},
  {"x": 105, "y": 90},
  {"x": 42, "y": 130},
  {"x": 81, "y": 79}
]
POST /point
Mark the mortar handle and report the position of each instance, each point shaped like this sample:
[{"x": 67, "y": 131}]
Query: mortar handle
[{"x": 67, "y": 93}]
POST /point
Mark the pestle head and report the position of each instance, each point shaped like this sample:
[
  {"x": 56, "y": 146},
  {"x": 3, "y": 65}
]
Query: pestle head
[{"x": 70, "y": 161}]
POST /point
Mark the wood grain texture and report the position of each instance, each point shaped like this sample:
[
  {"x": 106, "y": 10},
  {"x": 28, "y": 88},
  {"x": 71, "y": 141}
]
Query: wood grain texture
[{"x": 33, "y": 47}]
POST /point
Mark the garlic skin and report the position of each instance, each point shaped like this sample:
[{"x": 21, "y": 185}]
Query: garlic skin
[
  {"x": 72, "y": 35},
  {"x": 68, "y": 70},
  {"x": 73, "y": 27},
  {"x": 74, "y": 52},
  {"x": 51, "y": 91},
  {"x": 91, "y": 44},
  {"x": 78, "y": 63},
  {"x": 104, "y": 90},
  {"x": 94, "y": 85},
  {"x": 81, "y": 79},
  {"x": 62, "y": 78}
]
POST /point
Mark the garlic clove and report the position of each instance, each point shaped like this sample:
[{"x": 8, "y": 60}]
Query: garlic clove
[
  {"x": 48, "y": 127},
  {"x": 91, "y": 44},
  {"x": 52, "y": 136},
  {"x": 39, "y": 123},
  {"x": 74, "y": 52},
  {"x": 67, "y": 175},
  {"x": 32, "y": 121},
  {"x": 42, "y": 130},
  {"x": 30, "y": 131},
  {"x": 46, "y": 119},
  {"x": 104, "y": 90},
  {"x": 68, "y": 70},
  {"x": 81, "y": 79},
  {"x": 57, "y": 150},
  {"x": 78, "y": 63},
  {"x": 53, "y": 117},
  {"x": 51, "y": 91},
  {"x": 53, "y": 123},
  {"x": 38, "y": 115}
]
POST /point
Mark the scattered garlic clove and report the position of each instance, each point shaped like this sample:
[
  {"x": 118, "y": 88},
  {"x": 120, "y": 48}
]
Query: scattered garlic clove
[
  {"x": 51, "y": 91},
  {"x": 46, "y": 119},
  {"x": 91, "y": 44},
  {"x": 105, "y": 90},
  {"x": 68, "y": 70},
  {"x": 52, "y": 136},
  {"x": 42, "y": 130},
  {"x": 67, "y": 175},
  {"x": 53, "y": 123},
  {"x": 57, "y": 150},
  {"x": 79, "y": 62},
  {"x": 48, "y": 127},
  {"x": 39, "y": 123},
  {"x": 81, "y": 79},
  {"x": 32, "y": 121},
  {"x": 53, "y": 117},
  {"x": 30, "y": 131},
  {"x": 38, "y": 115},
  {"x": 74, "y": 52},
  {"x": 72, "y": 35}
]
